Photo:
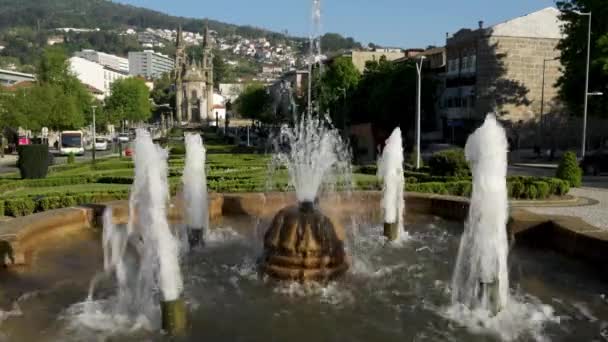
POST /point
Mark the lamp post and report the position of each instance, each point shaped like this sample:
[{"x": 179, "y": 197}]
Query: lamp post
[
  {"x": 418, "y": 97},
  {"x": 584, "y": 140},
  {"x": 94, "y": 138}
]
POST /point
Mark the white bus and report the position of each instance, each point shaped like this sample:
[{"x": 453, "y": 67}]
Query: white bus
[{"x": 71, "y": 142}]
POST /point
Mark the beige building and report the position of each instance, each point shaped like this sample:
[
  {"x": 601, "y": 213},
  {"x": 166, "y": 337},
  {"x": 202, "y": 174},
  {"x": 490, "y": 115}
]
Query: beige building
[
  {"x": 509, "y": 68},
  {"x": 359, "y": 58}
]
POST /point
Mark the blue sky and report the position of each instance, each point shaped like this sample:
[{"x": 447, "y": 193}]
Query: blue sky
[{"x": 403, "y": 23}]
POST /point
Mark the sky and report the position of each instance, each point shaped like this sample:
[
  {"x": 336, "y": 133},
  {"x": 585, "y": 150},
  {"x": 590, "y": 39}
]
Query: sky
[{"x": 394, "y": 23}]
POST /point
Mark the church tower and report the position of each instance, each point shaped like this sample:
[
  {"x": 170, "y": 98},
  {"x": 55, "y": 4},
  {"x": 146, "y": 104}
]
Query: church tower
[
  {"x": 180, "y": 66},
  {"x": 208, "y": 71}
]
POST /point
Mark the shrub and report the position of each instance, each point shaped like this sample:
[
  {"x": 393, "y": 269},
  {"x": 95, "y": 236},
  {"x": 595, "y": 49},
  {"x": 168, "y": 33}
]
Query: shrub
[
  {"x": 531, "y": 192},
  {"x": 558, "y": 187},
  {"x": 178, "y": 150},
  {"x": 1, "y": 208},
  {"x": 569, "y": 170},
  {"x": 516, "y": 189},
  {"x": 71, "y": 158},
  {"x": 449, "y": 163},
  {"x": 33, "y": 161},
  {"x": 542, "y": 189},
  {"x": 19, "y": 206}
]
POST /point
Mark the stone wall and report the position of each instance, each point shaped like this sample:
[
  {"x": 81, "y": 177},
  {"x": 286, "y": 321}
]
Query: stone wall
[{"x": 510, "y": 72}]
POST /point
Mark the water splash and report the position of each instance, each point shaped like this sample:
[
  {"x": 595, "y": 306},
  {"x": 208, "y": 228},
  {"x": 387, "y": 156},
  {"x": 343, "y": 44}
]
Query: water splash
[
  {"x": 195, "y": 184},
  {"x": 390, "y": 170},
  {"x": 481, "y": 279},
  {"x": 143, "y": 257},
  {"x": 314, "y": 154}
]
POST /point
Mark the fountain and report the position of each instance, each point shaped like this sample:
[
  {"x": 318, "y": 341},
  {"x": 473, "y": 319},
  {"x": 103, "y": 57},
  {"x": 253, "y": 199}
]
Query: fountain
[
  {"x": 195, "y": 190},
  {"x": 302, "y": 243},
  {"x": 390, "y": 170},
  {"x": 480, "y": 280},
  {"x": 144, "y": 257}
]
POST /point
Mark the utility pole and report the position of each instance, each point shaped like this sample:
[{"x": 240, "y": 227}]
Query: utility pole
[
  {"x": 94, "y": 137},
  {"x": 418, "y": 100}
]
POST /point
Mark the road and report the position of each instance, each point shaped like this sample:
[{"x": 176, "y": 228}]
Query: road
[{"x": 8, "y": 163}]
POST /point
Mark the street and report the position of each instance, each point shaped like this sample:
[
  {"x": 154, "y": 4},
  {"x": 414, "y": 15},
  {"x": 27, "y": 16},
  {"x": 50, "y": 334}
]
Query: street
[{"x": 8, "y": 163}]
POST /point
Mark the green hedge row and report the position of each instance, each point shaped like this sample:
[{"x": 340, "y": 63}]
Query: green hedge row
[
  {"x": 46, "y": 182},
  {"x": 22, "y": 206}
]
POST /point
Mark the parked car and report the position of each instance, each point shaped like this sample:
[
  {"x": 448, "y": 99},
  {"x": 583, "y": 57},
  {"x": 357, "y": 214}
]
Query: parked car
[
  {"x": 595, "y": 163},
  {"x": 101, "y": 144},
  {"x": 123, "y": 137}
]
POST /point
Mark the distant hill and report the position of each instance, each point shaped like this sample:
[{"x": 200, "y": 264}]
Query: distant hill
[{"x": 107, "y": 15}]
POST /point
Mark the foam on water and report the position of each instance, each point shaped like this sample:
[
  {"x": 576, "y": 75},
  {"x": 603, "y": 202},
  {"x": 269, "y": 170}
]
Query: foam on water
[
  {"x": 482, "y": 256},
  {"x": 195, "y": 184},
  {"x": 390, "y": 171}
]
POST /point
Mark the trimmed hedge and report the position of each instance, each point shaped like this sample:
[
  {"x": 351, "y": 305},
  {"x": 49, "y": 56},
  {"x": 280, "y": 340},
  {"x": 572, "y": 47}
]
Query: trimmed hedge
[
  {"x": 22, "y": 206},
  {"x": 33, "y": 162}
]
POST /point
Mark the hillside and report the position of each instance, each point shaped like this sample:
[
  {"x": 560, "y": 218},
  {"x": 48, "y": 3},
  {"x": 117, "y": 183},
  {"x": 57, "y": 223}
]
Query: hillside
[{"x": 27, "y": 25}]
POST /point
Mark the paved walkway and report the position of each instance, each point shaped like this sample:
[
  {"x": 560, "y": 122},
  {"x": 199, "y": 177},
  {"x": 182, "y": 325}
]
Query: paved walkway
[{"x": 596, "y": 215}]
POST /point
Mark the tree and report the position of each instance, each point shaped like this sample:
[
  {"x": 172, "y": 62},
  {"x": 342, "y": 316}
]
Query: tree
[
  {"x": 130, "y": 100},
  {"x": 254, "y": 103},
  {"x": 573, "y": 57},
  {"x": 340, "y": 78}
]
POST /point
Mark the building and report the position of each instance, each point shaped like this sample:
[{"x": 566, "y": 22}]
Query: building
[
  {"x": 9, "y": 77},
  {"x": 194, "y": 83},
  {"x": 509, "y": 68},
  {"x": 111, "y": 61},
  {"x": 359, "y": 58},
  {"x": 149, "y": 64},
  {"x": 98, "y": 78}
]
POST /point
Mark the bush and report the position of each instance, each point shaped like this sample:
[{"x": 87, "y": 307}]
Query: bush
[
  {"x": 178, "y": 150},
  {"x": 542, "y": 189},
  {"x": 558, "y": 187},
  {"x": 569, "y": 170},
  {"x": 33, "y": 161},
  {"x": 71, "y": 158},
  {"x": 531, "y": 192},
  {"x": 449, "y": 163},
  {"x": 1, "y": 208},
  {"x": 516, "y": 189},
  {"x": 19, "y": 206}
]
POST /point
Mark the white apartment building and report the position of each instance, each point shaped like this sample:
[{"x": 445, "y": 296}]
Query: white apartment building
[
  {"x": 111, "y": 61},
  {"x": 149, "y": 64},
  {"x": 95, "y": 75}
]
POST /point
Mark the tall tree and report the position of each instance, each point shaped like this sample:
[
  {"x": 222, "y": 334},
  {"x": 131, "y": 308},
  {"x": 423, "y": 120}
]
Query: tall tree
[
  {"x": 130, "y": 100},
  {"x": 339, "y": 79},
  {"x": 574, "y": 55},
  {"x": 254, "y": 103}
]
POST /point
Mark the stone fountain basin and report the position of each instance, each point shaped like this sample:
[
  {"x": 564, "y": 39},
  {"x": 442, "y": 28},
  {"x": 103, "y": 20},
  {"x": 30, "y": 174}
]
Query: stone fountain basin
[{"x": 58, "y": 253}]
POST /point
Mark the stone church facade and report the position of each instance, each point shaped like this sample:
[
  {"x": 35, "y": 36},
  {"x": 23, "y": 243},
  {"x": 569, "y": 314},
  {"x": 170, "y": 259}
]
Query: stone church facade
[{"x": 194, "y": 83}]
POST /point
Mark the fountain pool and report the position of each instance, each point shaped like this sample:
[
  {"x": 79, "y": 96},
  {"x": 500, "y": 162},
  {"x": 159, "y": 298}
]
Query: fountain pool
[{"x": 390, "y": 293}]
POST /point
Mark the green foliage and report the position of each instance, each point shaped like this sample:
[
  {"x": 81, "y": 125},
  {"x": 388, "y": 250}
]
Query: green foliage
[
  {"x": 71, "y": 158},
  {"x": 33, "y": 161},
  {"x": 516, "y": 189},
  {"x": 569, "y": 170},
  {"x": 129, "y": 101},
  {"x": 254, "y": 103},
  {"x": 449, "y": 163},
  {"x": 2, "y": 208},
  {"x": 573, "y": 48},
  {"x": 178, "y": 150},
  {"x": 386, "y": 96},
  {"x": 339, "y": 80},
  {"x": 19, "y": 206},
  {"x": 542, "y": 189}
]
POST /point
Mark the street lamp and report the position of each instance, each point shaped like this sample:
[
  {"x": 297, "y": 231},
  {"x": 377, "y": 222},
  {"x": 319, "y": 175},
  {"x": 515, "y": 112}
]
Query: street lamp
[
  {"x": 94, "y": 138},
  {"x": 584, "y": 142},
  {"x": 418, "y": 96}
]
